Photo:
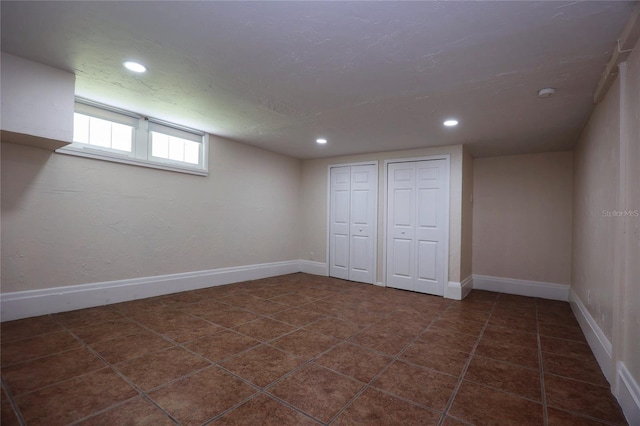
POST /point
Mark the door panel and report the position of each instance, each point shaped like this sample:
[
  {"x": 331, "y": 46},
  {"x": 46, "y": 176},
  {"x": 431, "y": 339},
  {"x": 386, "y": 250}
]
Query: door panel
[
  {"x": 416, "y": 225},
  {"x": 352, "y": 222}
]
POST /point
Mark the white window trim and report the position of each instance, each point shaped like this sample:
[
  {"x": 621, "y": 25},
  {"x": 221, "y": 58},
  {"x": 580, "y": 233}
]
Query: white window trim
[{"x": 141, "y": 143}]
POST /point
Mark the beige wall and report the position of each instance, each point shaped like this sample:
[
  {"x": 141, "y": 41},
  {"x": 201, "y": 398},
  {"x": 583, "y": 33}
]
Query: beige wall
[
  {"x": 606, "y": 266},
  {"x": 68, "y": 220},
  {"x": 313, "y": 223},
  {"x": 522, "y": 217},
  {"x": 466, "y": 249}
]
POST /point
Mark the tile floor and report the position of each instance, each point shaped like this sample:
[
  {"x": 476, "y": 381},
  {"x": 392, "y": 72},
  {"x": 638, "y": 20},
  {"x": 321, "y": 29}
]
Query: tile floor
[{"x": 305, "y": 350}]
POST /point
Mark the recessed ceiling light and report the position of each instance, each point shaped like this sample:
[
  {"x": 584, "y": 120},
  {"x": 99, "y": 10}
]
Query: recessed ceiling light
[
  {"x": 546, "y": 92},
  {"x": 321, "y": 141},
  {"x": 451, "y": 123},
  {"x": 134, "y": 66}
]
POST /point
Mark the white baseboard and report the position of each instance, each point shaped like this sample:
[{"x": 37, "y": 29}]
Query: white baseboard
[
  {"x": 314, "y": 268},
  {"x": 459, "y": 290},
  {"x": 24, "y": 304},
  {"x": 539, "y": 289},
  {"x": 600, "y": 345},
  {"x": 628, "y": 394}
]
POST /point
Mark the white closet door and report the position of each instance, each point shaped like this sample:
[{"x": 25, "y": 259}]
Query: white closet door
[
  {"x": 340, "y": 213},
  {"x": 352, "y": 222},
  {"x": 363, "y": 224},
  {"x": 417, "y": 225}
]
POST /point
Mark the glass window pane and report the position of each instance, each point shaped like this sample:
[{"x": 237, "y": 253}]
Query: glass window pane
[
  {"x": 80, "y": 128},
  {"x": 100, "y": 132},
  {"x": 176, "y": 148},
  {"x": 121, "y": 137},
  {"x": 191, "y": 152},
  {"x": 159, "y": 145}
]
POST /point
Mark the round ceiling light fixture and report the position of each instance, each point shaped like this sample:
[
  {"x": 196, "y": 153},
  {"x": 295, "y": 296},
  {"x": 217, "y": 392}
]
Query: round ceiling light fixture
[
  {"x": 546, "y": 92},
  {"x": 451, "y": 123},
  {"x": 134, "y": 66},
  {"x": 321, "y": 141}
]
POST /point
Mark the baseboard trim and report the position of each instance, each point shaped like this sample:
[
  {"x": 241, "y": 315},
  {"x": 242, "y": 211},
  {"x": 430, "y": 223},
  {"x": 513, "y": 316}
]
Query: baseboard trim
[
  {"x": 628, "y": 394},
  {"x": 539, "y": 289},
  {"x": 459, "y": 290},
  {"x": 314, "y": 268},
  {"x": 600, "y": 345},
  {"x": 24, "y": 304}
]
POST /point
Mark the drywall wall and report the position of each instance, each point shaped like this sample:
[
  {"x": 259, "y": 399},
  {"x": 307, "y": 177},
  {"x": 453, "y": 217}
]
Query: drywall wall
[
  {"x": 466, "y": 233},
  {"x": 313, "y": 221},
  {"x": 68, "y": 220},
  {"x": 36, "y": 99},
  {"x": 522, "y": 217},
  {"x": 596, "y": 188}
]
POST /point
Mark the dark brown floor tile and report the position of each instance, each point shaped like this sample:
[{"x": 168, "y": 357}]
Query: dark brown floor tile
[
  {"x": 563, "y": 319},
  {"x": 449, "y": 338},
  {"x": 203, "y": 308},
  {"x": 437, "y": 357},
  {"x": 222, "y": 345},
  {"x": 8, "y": 416},
  {"x": 232, "y": 317},
  {"x": 528, "y": 325},
  {"x": 481, "y": 405},
  {"x": 467, "y": 315},
  {"x": 567, "y": 348},
  {"x": 317, "y": 391},
  {"x": 426, "y": 387},
  {"x": 359, "y": 316},
  {"x": 509, "y": 352},
  {"x": 560, "y": 332},
  {"x": 29, "y": 327},
  {"x": 450, "y": 421},
  {"x": 74, "y": 399},
  {"x": 515, "y": 312},
  {"x": 305, "y": 344},
  {"x": 499, "y": 335},
  {"x": 32, "y": 375},
  {"x": 335, "y": 327},
  {"x": 298, "y": 317},
  {"x": 381, "y": 340},
  {"x": 585, "y": 369},
  {"x": 354, "y": 361},
  {"x": 292, "y": 299},
  {"x": 461, "y": 326},
  {"x": 156, "y": 368},
  {"x": 84, "y": 317},
  {"x": 131, "y": 346},
  {"x": 324, "y": 307},
  {"x": 107, "y": 331},
  {"x": 266, "y": 307},
  {"x": 240, "y": 299},
  {"x": 35, "y": 347},
  {"x": 579, "y": 397},
  {"x": 408, "y": 323},
  {"x": 184, "y": 328},
  {"x": 265, "y": 329},
  {"x": 198, "y": 398},
  {"x": 562, "y": 418},
  {"x": 264, "y": 411},
  {"x": 138, "y": 412},
  {"x": 376, "y": 408},
  {"x": 262, "y": 365},
  {"x": 506, "y": 377}
]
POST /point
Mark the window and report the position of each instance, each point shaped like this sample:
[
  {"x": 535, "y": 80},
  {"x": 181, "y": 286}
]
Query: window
[{"x": 107, "y": 133}]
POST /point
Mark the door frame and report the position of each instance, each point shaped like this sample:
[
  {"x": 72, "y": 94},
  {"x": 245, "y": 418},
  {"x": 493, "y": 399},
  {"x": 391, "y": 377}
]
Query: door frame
[
  {"x": 375, "y": 214},
  {"x": 385, "y": 212}
]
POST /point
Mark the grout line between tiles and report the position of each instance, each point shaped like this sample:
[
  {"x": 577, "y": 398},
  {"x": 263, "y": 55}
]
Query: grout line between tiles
[{"x": 13, "y": 403}]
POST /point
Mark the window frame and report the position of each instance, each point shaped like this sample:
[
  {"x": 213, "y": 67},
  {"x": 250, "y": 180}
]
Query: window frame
[{"x": 141, "y": 142}]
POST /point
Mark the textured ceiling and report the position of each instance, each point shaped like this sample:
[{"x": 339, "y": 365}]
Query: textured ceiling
[{"x": 368, "y": 76}]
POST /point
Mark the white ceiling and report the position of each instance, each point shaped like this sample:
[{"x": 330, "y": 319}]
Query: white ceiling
[{"x": 368, "y": 76}]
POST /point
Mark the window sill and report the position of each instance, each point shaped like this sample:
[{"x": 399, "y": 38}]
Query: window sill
[{"x": 123, "y": 159}]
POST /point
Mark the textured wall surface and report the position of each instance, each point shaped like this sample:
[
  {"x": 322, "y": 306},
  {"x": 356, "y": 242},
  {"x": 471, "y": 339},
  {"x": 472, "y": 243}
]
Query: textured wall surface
[
  {"x": 522, "y": 217},
  {"x": 68, "y": 220}
]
